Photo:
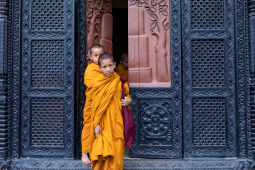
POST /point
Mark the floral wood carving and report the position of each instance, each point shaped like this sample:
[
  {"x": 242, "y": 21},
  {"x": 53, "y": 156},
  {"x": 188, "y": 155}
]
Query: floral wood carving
[{"x": 158, "y": 11}]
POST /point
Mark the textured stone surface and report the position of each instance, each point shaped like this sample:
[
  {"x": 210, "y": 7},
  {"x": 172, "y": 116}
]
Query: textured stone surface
[{"x": 136, "y": 164}]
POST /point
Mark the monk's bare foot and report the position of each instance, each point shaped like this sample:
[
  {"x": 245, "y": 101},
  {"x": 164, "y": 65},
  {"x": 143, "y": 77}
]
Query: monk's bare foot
[{"x": 85, "y": 159}]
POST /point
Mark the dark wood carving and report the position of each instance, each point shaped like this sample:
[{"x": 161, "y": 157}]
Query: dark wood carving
[
  {"x": 149, "y": 43},
  {"x": 3, "y": 78},
  {"x": 99, "y": 23},
  {"x": 251, "y": 134}
]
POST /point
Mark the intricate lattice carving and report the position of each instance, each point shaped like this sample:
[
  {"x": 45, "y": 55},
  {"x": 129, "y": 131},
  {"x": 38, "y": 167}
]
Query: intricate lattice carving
[
  {"x": 207, "y": 14},
  {"x": 209, "y": 122},
  {"x": 47, "y": 121},
  {"x": 208, "y": 63},
  {"x": 47, "y": 63},
  {"x": 48, "y": 72},
  {"x": 221, "y": 49},
  {"x": 48, "y": 15}
]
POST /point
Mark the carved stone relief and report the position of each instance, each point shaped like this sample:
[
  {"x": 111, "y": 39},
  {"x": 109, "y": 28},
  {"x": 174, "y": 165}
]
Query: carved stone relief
[
  {"x": 149, "y": 43},
  {"x": 99, "y": 23}
]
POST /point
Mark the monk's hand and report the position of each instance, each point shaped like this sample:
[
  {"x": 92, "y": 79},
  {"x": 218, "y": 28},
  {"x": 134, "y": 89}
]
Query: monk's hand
[
  {"x": 97, "y": 130},
  {"x": 126, "y": 101}
]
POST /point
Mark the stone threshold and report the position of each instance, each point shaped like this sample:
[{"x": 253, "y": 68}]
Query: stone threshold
[{"x": 134, "y": 164}]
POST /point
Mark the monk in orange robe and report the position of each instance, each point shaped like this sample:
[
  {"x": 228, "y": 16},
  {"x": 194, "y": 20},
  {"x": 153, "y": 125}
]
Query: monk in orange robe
[
  {"x": 122, "y": 68},
  {"x": 91, "y": 72},
  {"x": 108, "y": 146}
]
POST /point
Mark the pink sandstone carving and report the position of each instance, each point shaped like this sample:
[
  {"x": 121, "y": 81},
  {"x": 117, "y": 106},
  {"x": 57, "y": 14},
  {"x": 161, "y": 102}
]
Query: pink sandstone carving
[
  {"x": 149, "y": 43},
  {"x": 99, "y": 23}
]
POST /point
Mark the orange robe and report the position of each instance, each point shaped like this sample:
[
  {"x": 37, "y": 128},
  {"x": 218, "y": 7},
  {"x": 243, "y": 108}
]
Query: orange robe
[
  {"x": 108, "y": 147},
  {"x": 122, "y": 71},
  {"x": 87, "y": 138}
]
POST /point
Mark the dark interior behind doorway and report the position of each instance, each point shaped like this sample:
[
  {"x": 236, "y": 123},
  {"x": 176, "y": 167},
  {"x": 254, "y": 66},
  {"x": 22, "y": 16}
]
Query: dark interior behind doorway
[{"x": 120, "y": 27}]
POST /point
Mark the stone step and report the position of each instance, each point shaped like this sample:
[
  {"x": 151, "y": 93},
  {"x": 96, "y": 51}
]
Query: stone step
[{"x": 137, "y": 164}]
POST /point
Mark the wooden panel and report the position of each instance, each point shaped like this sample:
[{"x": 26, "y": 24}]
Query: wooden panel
[
  {"x": 47, "y": 79},
  {"x": 209, "y": 78}
]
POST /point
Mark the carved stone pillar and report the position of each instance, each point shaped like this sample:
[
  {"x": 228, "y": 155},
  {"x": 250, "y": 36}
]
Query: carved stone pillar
[
  {"x": 99, "y": 23},
  {"x": 3, "y": 78},
  {"x": 252, "y": 69}
]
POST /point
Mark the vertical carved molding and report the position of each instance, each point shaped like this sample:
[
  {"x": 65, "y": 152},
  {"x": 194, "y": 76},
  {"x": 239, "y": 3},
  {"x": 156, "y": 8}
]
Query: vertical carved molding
[
  {"x": 252, "y": 34},
  {"x": 251, "y": 6},
  {"x": 81, "y": 66},
  {"x": 3, "y": 78}
]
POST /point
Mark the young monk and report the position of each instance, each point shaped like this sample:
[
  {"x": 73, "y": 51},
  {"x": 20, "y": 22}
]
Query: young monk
[
  {"x": 108, "y": 147},
  {"x": 122, "y": 68},
  {"x": 91, "y": 72}
]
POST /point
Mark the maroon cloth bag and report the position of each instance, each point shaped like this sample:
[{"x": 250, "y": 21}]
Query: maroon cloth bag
[{"x": 128, "y": 120}]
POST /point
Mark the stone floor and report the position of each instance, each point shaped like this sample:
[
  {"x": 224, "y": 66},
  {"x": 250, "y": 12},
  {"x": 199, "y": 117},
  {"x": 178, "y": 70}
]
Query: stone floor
[{"x": 137, "y": 164}]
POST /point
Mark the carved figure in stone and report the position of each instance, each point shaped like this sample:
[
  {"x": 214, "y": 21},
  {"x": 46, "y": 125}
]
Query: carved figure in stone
[
  {"x": 159, "y": 24},
  {"x": 95, "y": 11}
]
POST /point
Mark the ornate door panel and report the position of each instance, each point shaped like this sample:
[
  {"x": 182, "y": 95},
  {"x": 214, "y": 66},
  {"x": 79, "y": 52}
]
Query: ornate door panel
[
  {"x": 209, "y": 78},
  {"x": 154, "y": 74},
  {"x": 47, "y": 78}
]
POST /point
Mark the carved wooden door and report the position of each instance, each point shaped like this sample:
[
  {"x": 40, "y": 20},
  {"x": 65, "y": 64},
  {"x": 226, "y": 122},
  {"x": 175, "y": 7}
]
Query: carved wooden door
[
  {"x": 47, "y": 78},
  {"x": 155, "y": 88},
  {"x": 209, "y": 78}
]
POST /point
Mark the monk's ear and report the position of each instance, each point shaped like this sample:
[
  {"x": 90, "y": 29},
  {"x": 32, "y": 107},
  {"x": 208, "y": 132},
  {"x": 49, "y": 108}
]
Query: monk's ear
[{"x": 114, "y": 64}]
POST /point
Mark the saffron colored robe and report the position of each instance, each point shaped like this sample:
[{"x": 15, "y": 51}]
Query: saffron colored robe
[
  {"x": 122, "y": 71},
  {"x": 108, "y": 147},
  {"x": 87, "y": 136}
]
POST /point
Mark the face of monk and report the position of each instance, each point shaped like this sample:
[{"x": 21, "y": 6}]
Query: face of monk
[
  {"x": 124, "y": 63},
  {"x": 107, "y": 66},
  {"x": 95, "y": 53}
]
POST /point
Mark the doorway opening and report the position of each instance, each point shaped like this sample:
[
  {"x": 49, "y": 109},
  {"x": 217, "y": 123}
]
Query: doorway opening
[
  {"x": 120, "y": 28},
  {"x": 102, "y": 22}
]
